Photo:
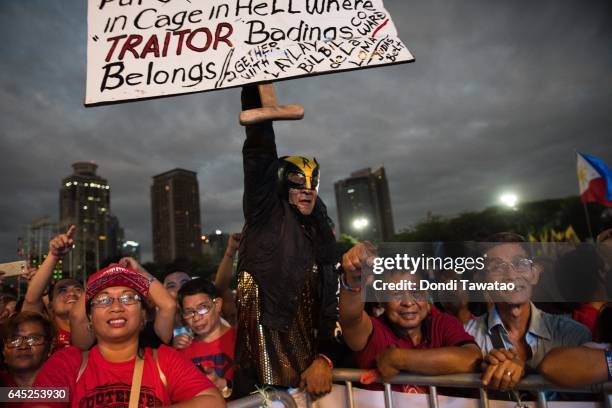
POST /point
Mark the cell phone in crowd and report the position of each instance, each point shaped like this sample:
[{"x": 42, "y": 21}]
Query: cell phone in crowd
[
  {"x": 182, "y": 330},
  {"x": 14, "y": 268}
]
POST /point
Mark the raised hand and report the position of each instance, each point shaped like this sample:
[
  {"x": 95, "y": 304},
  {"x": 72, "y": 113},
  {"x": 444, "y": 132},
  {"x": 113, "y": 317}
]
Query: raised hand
[
  {"x": 131, "y": 263},
  {"x": 29, "y": 274},
  {"x": 62, "y": 244},
  {"x": 355, "y": 259},
  {"x": 233, "y": 243}
]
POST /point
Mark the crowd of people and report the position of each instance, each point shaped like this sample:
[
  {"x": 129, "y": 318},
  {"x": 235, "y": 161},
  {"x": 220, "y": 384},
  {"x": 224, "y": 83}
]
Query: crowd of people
[{"x": 127, "y": 339}]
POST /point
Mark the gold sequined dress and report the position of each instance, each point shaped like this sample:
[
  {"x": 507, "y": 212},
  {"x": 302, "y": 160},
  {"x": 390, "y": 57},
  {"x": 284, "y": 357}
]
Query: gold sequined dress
[{"x": 274, "y": 357}]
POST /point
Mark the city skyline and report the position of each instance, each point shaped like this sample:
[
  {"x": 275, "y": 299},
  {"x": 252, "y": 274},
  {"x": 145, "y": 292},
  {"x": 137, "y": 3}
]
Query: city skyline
[{"x": 500, "y": 97}]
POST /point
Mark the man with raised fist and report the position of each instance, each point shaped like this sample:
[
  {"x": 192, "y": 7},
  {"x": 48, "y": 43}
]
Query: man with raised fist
[{"x": 62, "y": 295}]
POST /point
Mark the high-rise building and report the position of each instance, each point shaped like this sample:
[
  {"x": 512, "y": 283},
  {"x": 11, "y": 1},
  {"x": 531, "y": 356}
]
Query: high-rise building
[
  {"x": 35, "y": 246},
  {"x": 175, "y": 211},
  {"x": 85, "y": 202},
  {"x": 364, "y": 205}
]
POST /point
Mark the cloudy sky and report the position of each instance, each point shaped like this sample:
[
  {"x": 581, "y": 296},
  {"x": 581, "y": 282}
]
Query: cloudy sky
[{"x": 500, "y": 96}]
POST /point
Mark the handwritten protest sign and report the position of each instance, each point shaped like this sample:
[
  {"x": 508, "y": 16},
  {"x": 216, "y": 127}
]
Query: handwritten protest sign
[{"x": 149, "y": 48}]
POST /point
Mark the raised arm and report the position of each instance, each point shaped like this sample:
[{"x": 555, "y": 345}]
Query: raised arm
[
  {"x": 355, "y": 322},
  {"x": 260, "y": 162},
  {"x": 58, "y": 248},
  {"x": 225, "y": 271},
  {"x": 166, "y": 305},
  {"x": 575, "y": 366},
  {"x": 80, "y": 335}
]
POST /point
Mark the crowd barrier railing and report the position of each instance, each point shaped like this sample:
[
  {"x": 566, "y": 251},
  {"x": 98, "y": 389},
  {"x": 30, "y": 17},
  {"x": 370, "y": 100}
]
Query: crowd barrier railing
[
  {"x": 260, "y": 400},
  {"x": 533, "y": 383}
]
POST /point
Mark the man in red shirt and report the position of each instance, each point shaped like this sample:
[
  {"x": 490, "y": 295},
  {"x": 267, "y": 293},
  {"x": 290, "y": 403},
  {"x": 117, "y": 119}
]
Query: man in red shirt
[
  {"x": 212, "y": 348},
  {"x": 411, "y": 335},
  {"x": 63, "y": 295}
]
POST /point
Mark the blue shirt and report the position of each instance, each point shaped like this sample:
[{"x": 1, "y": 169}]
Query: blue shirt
[{"x": 545, "y": 332}]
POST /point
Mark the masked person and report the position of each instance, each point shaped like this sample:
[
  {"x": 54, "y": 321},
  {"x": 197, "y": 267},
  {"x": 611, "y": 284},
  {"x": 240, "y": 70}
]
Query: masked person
[
  {"x": 286, "y": 280},
  {"x": 118, "y": 371}
]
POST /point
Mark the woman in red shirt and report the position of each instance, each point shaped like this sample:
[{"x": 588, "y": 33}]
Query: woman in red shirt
[{"x": 109, "y": 374}]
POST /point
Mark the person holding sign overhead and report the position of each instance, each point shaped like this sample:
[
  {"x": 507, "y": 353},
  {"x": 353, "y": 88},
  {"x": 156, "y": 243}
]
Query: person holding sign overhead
[{"x": 286, "y": 280}]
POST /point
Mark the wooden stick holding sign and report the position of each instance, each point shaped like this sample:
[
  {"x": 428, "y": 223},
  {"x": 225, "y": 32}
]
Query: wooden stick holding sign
[{"x": 270, "y": 109}]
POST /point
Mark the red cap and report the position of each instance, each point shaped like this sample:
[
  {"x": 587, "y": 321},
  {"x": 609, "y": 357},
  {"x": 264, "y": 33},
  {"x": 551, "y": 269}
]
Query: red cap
[{"x": 116, "y": 275}]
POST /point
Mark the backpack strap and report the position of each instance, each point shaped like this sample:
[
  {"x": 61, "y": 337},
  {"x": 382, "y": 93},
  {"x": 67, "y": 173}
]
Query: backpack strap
[
  {"x": 84, "y": 358},
  {"x": 162, "y": 376},
  {"x": 136, "y": 381}
]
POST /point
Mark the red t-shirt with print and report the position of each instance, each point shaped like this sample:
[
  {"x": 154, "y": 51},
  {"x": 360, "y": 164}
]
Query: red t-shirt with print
[
  {"x": 439, "y": 330},
  {"x": 62, "y": 339},
  {"x": 108, "y": 384},
  {"x": 217, "y": 354}
]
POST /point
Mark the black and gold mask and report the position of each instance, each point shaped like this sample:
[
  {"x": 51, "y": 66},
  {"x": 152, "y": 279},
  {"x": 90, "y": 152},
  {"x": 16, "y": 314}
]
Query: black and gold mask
[{"x": 297, "y": 172}]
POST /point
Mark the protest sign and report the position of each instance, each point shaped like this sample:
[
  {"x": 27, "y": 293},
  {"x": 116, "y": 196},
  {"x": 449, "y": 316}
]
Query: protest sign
[{"x": 149, "y": 48}]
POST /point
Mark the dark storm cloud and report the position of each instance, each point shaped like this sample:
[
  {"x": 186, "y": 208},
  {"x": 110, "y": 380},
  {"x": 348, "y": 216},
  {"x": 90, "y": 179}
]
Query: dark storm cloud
[{"x": 500, "y": 96}]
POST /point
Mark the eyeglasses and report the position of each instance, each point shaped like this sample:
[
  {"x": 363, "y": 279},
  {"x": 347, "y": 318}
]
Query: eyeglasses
[
  {"x": 31, "y": 340},
  {"x": 522, "y": 265},
  {"x": 201, "y": 309},
  {"x": 106, "y": 301},
  {"x": 409, "y": 295}
]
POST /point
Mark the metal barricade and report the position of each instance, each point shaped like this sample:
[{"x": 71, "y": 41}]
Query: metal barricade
[
  {"x": 258, "y": 400},
  {"x": 534, "y": 383}
]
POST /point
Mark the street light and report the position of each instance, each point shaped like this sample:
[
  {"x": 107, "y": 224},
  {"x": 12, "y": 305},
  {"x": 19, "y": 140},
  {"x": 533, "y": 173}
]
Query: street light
[
  {"x": 509, "y": 199},
  {"x": 360, "y": 223}
]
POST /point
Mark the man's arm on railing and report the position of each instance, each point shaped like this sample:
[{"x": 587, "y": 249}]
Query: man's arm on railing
[
  {"x": 437, "y": 361},
  {"x": 575, "y": 366},
  {"x": 503, "y": 369}
]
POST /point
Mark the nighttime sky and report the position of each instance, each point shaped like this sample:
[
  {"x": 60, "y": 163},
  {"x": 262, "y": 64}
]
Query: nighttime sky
[{"x": 500, "y": 96}]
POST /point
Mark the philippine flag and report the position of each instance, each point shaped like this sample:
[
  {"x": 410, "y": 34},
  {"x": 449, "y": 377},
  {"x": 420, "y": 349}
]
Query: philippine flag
[{"x": 594, "y": 179}]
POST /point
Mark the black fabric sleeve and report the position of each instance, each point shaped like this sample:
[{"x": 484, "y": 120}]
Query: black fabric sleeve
[{"x": 260, "y": 162}]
